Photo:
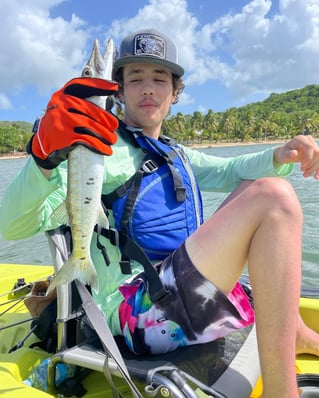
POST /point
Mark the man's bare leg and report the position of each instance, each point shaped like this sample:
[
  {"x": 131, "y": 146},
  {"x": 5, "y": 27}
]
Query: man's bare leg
[
  {"x": 261, "y": 225},
  {"x": 307, "y": 341}
]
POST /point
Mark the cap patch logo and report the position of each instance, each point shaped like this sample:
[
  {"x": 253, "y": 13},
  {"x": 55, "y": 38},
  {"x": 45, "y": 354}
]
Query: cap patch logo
[{"x": 149, "y": 44}]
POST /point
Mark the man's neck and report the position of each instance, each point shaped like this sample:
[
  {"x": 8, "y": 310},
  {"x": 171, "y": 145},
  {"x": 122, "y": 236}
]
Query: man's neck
[
  {"x": 151, "y": 134},
  {"x": 146, "y": 131}
]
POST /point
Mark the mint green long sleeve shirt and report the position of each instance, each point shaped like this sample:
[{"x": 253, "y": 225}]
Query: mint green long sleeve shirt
[{"x": 30, "y": 199}]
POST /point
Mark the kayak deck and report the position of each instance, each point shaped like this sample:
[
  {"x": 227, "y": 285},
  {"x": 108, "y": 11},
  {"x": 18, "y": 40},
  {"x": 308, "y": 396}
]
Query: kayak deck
[{"x": 15, "y": 367}]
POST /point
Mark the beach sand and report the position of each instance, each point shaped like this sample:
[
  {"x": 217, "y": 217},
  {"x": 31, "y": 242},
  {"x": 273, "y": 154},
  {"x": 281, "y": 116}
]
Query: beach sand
[
  {"x": 225, "y": 144},
  {"x": 16, "y": 155}
]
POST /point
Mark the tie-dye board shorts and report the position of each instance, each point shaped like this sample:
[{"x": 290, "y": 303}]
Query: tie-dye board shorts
[{"x": 198, "y": 313}]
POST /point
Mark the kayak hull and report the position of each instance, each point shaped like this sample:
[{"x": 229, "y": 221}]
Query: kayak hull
[{"x": 16, "y": 367}]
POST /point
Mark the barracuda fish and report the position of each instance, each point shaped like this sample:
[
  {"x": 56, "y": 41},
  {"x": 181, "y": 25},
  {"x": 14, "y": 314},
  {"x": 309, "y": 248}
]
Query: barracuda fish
[{"x": 82, "y": 208}]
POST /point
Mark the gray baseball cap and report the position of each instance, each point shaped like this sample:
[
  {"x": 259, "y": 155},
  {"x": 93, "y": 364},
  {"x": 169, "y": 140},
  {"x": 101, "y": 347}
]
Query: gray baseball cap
[{"x": 149, "y": 46}]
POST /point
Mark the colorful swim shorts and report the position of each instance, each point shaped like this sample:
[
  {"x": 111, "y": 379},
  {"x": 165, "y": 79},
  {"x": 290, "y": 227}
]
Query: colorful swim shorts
[{"x": 198, "y": 312}]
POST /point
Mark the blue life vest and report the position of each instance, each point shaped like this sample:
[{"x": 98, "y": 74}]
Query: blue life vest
[{"x": 161, "y": 205}]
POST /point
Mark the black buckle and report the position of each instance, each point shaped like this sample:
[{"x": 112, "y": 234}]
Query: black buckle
[
  {"x": 122, "y": 190},
  {"x": 125, "y": 267},
  {"x": 114, "y": 237},
  {"x": 162, "y": 297},
  {"x": 149, "y": 166},
  {"x": 181, "y": 194}
]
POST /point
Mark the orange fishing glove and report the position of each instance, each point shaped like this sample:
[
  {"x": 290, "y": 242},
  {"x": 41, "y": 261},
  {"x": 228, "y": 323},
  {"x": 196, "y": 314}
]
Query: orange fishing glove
[{"x": 71, "y": 120}]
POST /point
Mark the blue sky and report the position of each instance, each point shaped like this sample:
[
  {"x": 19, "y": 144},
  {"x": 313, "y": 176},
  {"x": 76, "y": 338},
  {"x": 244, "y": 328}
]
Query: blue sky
[{"x": 233, "y": 51}]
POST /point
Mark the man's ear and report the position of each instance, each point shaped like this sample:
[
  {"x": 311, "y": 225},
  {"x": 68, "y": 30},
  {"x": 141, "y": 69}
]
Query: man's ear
[{"x": 174, "y": 99}]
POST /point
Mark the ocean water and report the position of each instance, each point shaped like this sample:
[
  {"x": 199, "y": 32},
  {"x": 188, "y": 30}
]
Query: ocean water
[{"x": 35, "y": 250}]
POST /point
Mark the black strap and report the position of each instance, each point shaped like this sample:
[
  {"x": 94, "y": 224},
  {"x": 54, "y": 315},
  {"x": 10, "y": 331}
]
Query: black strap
[
  {"x": 131, "y": 199},
  {"x": 132, "y": 251},
  {"x": 158, "y": 293},
  {"x": 136, "y": 138},
  {"x": 102, "y": 329},
  {"x": 109, "y": 199},
  {"x": 100, "y": 246},
  {"x": 169, "y": 156},
  {"x": 149, "y": 165},
  {"x": 129, "y": 249},
  {"x": 58, "y": 239}
]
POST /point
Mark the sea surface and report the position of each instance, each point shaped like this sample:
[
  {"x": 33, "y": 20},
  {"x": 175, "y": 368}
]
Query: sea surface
[{"x": 35, "y": 250}]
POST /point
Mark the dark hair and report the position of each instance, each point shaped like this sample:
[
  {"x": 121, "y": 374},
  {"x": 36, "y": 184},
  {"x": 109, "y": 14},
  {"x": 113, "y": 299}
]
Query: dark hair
[{"x": 178, "y": 85}]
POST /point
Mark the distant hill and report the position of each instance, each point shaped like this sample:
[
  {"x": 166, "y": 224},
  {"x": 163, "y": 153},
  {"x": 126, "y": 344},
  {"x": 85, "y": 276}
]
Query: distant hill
[
  {"x": 280, "y": 116},
  {"x": 14, "y": 136},
  {"x": 306, "y": 98},
  {"x": 25, "y": 126}
]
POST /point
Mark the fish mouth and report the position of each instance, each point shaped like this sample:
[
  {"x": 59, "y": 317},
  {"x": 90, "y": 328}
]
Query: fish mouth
[{"x": 100, "y": 64}]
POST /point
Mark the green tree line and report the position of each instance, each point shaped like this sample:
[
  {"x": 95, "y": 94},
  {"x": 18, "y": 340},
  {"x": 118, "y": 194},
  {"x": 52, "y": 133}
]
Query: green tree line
[
  {"x": 279, "y": 117},
  {"x": 14, "y": 136}
]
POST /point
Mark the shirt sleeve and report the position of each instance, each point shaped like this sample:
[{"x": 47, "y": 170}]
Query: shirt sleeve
[
  {"x": 224, "y": 174},
  {"x": 29, "y": 201}
]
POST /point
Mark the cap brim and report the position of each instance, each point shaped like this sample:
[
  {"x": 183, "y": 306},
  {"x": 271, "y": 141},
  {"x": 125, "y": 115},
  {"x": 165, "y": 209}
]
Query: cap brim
[{"x": 174, "y": 68}]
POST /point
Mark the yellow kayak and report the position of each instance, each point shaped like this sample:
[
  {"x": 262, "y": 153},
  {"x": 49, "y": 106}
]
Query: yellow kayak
[{"x": 17, "y": 366}]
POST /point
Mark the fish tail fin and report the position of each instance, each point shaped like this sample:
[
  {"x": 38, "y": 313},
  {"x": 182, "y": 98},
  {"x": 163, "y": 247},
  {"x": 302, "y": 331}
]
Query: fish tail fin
[{"x": 83, "y": 270}]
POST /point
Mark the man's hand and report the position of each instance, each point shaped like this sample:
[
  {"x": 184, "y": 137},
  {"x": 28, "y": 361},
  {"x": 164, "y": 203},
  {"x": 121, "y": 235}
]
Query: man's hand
[
  {"x": 301, "y": 149},
  {"x": 71, "y": 120}
]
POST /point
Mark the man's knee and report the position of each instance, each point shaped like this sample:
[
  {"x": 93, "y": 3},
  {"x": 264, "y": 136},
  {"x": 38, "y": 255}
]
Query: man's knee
[{"x": 278, "y": 193}]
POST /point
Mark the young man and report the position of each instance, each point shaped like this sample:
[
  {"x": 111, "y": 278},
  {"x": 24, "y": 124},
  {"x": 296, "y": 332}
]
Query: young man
[{"x": 260, "y": 223}]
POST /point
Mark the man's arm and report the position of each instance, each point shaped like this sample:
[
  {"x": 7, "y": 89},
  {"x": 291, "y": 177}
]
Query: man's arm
[{"x": 29, "y": 201}]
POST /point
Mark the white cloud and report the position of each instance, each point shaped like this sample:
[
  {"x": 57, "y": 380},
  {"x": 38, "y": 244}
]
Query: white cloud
[
  {"x": 37, "y": 49},
  {"x": 170, "y": 17},
  {"x": 185, "y": 99},
  {"x": 253, "y": 53},
  {"x": 5, "y": 102},
  {"x": 250, "y": 52}
]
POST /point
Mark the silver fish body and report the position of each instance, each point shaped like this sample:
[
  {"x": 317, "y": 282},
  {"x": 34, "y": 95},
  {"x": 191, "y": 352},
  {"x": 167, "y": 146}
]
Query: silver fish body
[{"x": 82, "y": 209}]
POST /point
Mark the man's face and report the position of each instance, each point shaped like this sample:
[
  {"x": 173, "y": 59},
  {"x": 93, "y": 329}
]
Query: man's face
[{"x": 147, "y": 93}]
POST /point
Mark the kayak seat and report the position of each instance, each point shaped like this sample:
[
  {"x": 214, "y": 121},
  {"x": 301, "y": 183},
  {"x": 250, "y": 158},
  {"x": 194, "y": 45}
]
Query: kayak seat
[
  {"x": 225, "y": 368},
  {"x": 228, "y": 366}
]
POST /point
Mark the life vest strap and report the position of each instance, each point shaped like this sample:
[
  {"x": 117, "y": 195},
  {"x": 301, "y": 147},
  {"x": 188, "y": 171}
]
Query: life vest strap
[{"x": 132, "y": 251}]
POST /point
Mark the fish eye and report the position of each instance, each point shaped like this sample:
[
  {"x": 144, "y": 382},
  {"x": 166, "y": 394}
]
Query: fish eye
[{"x": 87, "y": 72}]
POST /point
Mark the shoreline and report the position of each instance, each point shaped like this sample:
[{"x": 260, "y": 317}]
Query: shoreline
[
  {"x": 18, "y": 155},
  {"x": 230, "y": 144},
  {"x": 6, "y": 156}
]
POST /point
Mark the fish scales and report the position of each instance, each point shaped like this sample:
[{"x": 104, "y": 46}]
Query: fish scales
[{"x": 82, "y": 209}]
